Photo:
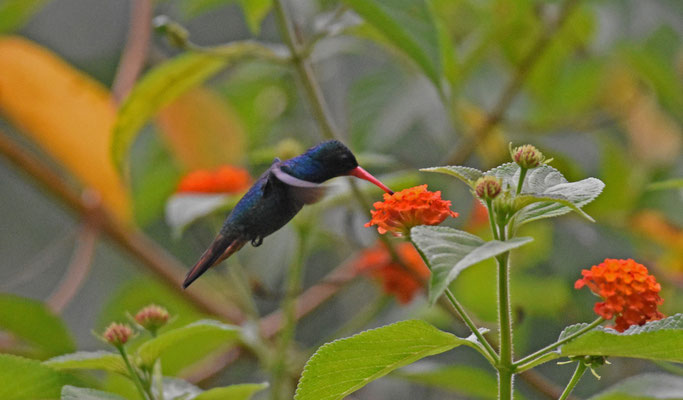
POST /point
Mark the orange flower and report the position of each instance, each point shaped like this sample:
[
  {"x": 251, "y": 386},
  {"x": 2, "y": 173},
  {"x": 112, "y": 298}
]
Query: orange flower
[
  {"x": 630, "y": 292},
  {"x": 225, "y": 179},
  {"x": 408, "y": 208},
  {"x": 376, "y": 262}
]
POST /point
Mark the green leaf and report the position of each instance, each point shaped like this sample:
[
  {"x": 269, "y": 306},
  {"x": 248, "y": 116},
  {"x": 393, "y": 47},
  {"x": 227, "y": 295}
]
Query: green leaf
[
  {"x": 465, "y": 380},
  {"x": 166, "y": 82},
  {"x": 33, "y": 322},
  {"x": 183, "y": 209},
  {"x": 547, "y": 182},
  {"x": 155, "y": 176},
  {"x": 183, "y": 338},
  {"x": 465, "y": 174},
  {"x": 341, "y": 367},
  {"x": 657, "y": 340},
  {"x": 242, "y": 391},
  {"x": 645, "y": 387},
  {"x": 408, "y": 25},
  {"x": 676, "y": 183},
  {"x": 449, "y": 251},
  {"x": 77, "y": 393},
  {"x": 176, "y": 388},
  {"x": 14, "y": 13},
  {"x": 25, "y": 379},
  {"x": 254, "y": 12},
  {"x": 99, "y": 360}
]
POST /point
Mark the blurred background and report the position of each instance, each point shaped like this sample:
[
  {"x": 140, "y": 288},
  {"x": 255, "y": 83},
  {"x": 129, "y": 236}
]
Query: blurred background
[{"x": 596, "y": 85}]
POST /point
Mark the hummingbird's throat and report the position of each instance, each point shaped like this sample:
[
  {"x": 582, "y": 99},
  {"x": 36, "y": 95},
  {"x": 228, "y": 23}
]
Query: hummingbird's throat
[{"x": 359, "y": 172}]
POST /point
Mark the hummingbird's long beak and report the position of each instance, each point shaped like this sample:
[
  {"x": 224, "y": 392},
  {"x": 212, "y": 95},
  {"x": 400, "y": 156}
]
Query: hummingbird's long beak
[{"x": 359, "y": 172}]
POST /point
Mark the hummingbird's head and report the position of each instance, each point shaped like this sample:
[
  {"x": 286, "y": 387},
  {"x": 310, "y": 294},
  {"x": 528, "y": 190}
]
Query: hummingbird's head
[{"x": 336, "y": 160}]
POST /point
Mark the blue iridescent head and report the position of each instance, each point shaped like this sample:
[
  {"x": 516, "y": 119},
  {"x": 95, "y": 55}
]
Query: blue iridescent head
[{"x": 328, "y": 160}]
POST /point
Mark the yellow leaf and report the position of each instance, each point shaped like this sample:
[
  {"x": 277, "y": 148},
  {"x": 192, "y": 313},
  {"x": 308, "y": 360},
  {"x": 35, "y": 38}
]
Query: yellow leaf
[
  {"x": 494, "y": 148},
  {"x": 202, "y": 130},
  {"x": 66, "y": 112}
]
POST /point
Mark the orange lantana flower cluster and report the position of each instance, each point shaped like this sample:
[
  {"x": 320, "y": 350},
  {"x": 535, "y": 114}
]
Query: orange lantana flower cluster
[
  {"x": 224, "y": 179},
  {"x": 408, "y": 208},
  {"x": 376, "y": 262},
  {"x": 631, "y": 294}
]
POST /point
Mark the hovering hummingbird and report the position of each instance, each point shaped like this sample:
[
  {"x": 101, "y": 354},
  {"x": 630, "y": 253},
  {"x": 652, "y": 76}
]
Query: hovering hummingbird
[{"x": 277, "y": 196}]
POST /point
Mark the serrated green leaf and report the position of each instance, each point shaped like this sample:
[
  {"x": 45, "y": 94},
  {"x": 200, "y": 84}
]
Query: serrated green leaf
[
  {"x": 341, "y": 367},
  {"x": 25, "y": 379},
  {"x": 77, "y": 393},
  {"x": 524, "y": 200},
  {"x": 201, "y": 331},
  {"x": 465, "y": 380},
  {"x": 449, "y": 251},
  {"x": 645, "y": 387},
  {"x": 29, "y": 320},
  {"x": 99, "y": 360},
  {"x": 408, "y": 25},
  {"x": 14, "y": 13},
  {"x": 546, "y": 181},
  {"x": 242, "y": 391},
  {"x": 657, "y": 340},
  {"x": 465, "y": 174}
]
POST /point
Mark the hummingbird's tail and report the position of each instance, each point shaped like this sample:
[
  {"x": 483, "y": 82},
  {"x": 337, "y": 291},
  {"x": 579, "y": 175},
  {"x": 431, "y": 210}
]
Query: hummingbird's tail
[{"x": 221, "y": 248}]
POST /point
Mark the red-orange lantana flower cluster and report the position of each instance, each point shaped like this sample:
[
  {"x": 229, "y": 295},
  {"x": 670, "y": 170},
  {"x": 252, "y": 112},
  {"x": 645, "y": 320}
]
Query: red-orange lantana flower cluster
[
  {"x": 224, "y": 179},
  {"x": 631, "y": 294},
  {"x": 408, "y": 208},
  {"x": 377, "y": 263}
]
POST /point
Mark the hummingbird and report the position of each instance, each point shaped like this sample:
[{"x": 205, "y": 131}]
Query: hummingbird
[{"x": 277, "y": 196}]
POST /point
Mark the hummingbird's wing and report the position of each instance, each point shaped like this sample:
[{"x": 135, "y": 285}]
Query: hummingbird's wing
[{"x": 301, "y": 190}]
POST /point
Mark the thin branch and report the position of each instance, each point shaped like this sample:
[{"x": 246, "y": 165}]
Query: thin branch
[
  {"x": 152, "y": 256},
  {"x": 312, "y": 297},
  {"x": 511, "y": 90},
  {"x": 305, "y": 72},
  {"x": 135, "y": 52},
  {"x": 78, "y": 269},
  {"x": 542, "y": 384}
]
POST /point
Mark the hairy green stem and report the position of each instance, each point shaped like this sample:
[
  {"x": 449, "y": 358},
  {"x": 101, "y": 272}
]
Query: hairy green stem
[
  {"x": 522, "y": 175},
  {"x": 134, "y": 375},
  {"x": 294, "y": 284},
  {"x": 505, "y": 365},
  {"x": 488, "y": 349},
  {"x": 531, "y": 360},
  {"x": 489, "y": 206},
  {"x": 578, "y": 373}
]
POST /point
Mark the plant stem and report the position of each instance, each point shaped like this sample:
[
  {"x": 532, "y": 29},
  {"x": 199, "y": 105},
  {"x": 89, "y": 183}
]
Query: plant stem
[
  {"x": 303, "y": 67},
  {"x": 505, "y": 366},
  {"x": 489, "y": 205},
  {"x": 522, "y": 175},
  {"x": 294, "y": 284},
  {"x": 578, "y": 373},
  {"x": 489, "y": 351},
  {"x": 530, "y": 360},
  {"x": 134, "y": 375}
]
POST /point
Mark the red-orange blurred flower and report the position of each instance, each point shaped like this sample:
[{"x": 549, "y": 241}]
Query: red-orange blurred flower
[
  {"x": 376, "y": 262},
  {"x": 630, "y": 292},
  {"x": 408, "y": 208},
  {"x": 224, "y": 179}
]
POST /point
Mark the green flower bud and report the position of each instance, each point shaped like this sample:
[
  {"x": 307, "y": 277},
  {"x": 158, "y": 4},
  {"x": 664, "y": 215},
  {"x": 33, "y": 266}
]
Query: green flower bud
[
  {"x": 176, "y": 34},
  {"x": 488, "y": 187},
  {"x": 527, "y": 156},
  {"x": 117, "y": 334},
  {"x": 152, "y": 317}
]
